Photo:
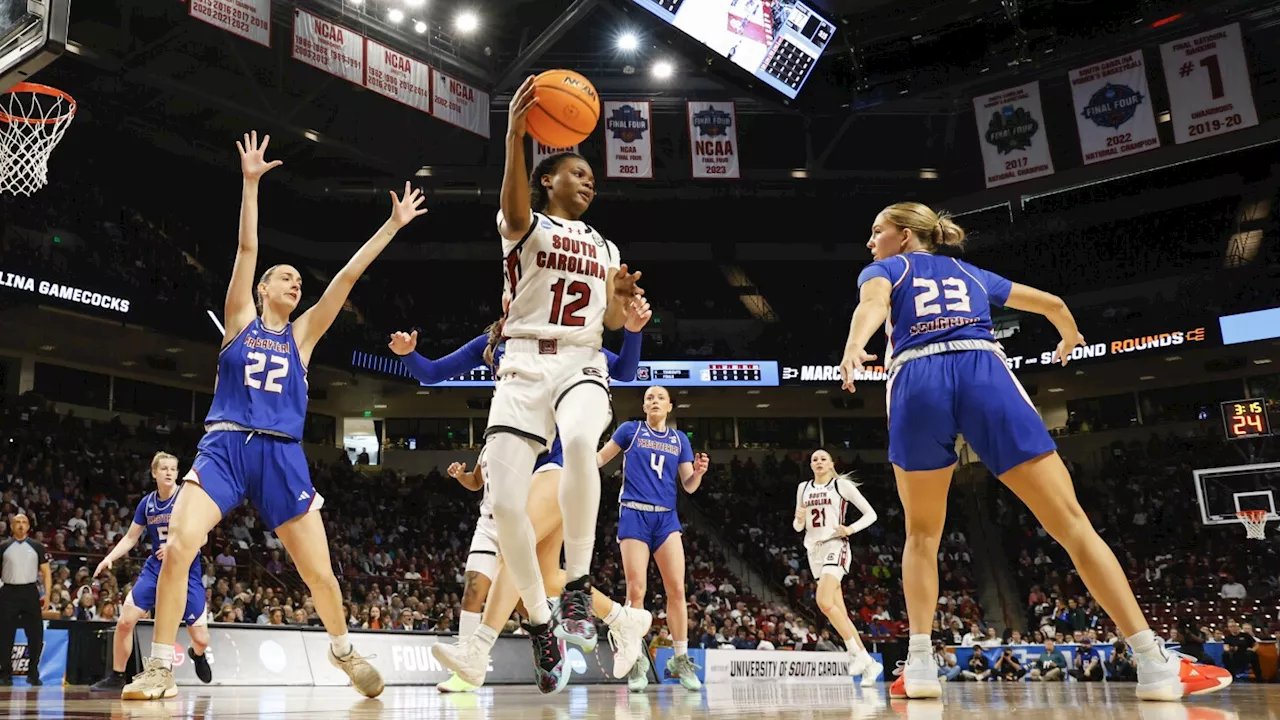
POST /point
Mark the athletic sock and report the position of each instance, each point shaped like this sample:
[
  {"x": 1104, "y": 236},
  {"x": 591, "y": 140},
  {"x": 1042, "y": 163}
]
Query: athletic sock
[
  {"x": 682, "y": 648},
  {"x": 484, "y": 637},
  {"x": 340, "y": 644},
  {"x": 919, "y": 646},
  {"x": 467, "y": 624},
  {"x": 163, "y": 652},
  {"x": 614, "y": 615}
]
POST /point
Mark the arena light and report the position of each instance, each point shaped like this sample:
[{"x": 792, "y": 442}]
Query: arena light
[
  {"x": 395, "y": 15},
  {"x": 628, "y": 42},
  {"x": 128, "y": 363},
  {"x": 762, "y": 406},
  {"x": 1147, "y": 377},
  {"x": 419, "y": 27},
  {"x": 1055, "y": 390},
  {"x": 415, "y": 3},
  {"x": 379, "y": 407},
  {"x": 683, "y": 406},
  {"x": 188, "y": 375},
  {"x": 1262, "y": 361},
  {"x": 1173, "y": 358},
  {"x": 663, "y": 69},
  {"x": 466, "y": 21}
]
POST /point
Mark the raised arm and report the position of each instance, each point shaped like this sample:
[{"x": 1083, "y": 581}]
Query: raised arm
[
  {"x": 239, "y": 308},
  {"x": 315, "y": 322},
  {"x": 127, "y": 543},
  {"x": 1052, "y": 307},
  {"x": 623, "y": 365},
  {"x": 517, "y": 216},
  {"x": 429, "y": 372},
  {"x": 849, "y": 491}
]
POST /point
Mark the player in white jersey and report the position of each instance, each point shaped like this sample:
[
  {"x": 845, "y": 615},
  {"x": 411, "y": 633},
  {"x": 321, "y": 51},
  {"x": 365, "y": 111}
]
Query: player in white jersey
[
  {"x": 821, "y": 504},
  {"x": 565, "y": 284}
]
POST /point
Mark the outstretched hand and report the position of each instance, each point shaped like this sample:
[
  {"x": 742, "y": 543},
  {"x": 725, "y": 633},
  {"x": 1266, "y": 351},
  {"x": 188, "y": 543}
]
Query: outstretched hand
[
  {"x": 1062, "y": 354},
  {"x": 403, "y": 343},
  {"x": 252, "y": 163},
  {"x": 522, "y": 101},
  {"x": 624, "y": 283},
  {"x": 457, "y": 470},
  {"x": 407, "y": 207},
  {"x": 853, "y": 361},
  {"x": 638, "y": 314}
]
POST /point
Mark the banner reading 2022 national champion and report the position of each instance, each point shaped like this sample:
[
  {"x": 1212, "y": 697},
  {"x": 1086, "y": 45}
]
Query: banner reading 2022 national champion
[
  {"x": 1113, "y": 108},
  {"x": 1011, "y": 133}
]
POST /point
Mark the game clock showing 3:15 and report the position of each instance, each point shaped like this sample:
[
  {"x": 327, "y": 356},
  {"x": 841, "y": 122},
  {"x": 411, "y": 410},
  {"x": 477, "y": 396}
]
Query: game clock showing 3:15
[{"x": 1245, "y": 418}]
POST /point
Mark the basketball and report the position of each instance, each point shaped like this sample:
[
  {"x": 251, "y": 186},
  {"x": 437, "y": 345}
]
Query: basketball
[{"x": 567, "y": 111}]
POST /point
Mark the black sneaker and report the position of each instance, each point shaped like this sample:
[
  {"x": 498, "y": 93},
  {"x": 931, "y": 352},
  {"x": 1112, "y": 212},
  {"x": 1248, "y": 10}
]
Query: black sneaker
[
  {"x": 201, "y": 666},
  {"x": 34, "y": 681},
  {"x": 113, "y": 682},
  {"x": 548, "y": 658},
  {"x": 575, "y": 625}
]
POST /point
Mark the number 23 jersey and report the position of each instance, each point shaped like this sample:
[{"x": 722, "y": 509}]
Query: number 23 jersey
[
  {"x": 262, "y": 382},
  {"x": 556, "y": 279}
]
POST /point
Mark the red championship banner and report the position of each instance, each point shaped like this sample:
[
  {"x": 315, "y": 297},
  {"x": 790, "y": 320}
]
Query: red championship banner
[
  {"x": 628, "y": 139},
  {"x": 542, "y": 152},
  {"x": 250, "y": 19},
  {"x": 456, "y": 102},
  {"x": 328, "y": 46},
  {"x": 397, "y": 76},
  {"x": 1208, "y": 79},
  {"x": 713, "y": 140}
]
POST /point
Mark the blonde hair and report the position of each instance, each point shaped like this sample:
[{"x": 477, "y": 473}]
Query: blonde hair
[
  {"x": 936, "y": 231},
  {"x": 161, "y": 455}
]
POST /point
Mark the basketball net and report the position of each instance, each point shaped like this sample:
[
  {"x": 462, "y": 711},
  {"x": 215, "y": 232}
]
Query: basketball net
[
  {"x": 33, "y": 119},
  {"x": 1255, "y": 523}
]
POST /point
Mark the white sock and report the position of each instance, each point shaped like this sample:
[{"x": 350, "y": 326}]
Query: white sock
[
  {"x": 484, "y": 637},
  {"x": 163, "y": 653},
  {"x": 467, "y": 624},
  {"x": 340, "y": 644},
  {"x": 586, "y": 414},
  {"x": 510, "y": 459},
  {"x": 614, "y": 615},
  {"x": 1144, "y": 645},
  {"x": 919, "y": 646},
  {"x": 682, "y": 648},
  {"x": 855, "y": 652}
]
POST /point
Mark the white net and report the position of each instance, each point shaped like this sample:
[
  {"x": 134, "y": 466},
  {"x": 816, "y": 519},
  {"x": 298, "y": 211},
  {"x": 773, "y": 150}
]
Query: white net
[
  {"x": 33, "y": 119},
  {"x": 1255, "y": 524}
]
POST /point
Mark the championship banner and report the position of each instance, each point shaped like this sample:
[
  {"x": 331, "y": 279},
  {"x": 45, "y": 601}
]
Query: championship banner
[
  {"x": 713, "y": 140},
  {"x": 397, "y": 76},
  {"x": 53, "y": 657},
  {"x": 335, "y": 49},
  {"x": 628, "y": 140},
  {"x": 1113, "y": 108},
  {"x": 250, "y": 19},
  {"x": 542, "y": 152},
  {"x": 1011, "y": 133},
  {"x": 457, "y": 103},
  {"x": 1209, "y": 90}
]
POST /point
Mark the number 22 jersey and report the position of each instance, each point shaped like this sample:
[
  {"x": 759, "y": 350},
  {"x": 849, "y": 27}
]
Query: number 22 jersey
[
  {"x": 262, "y": 382},
  {"x": 556, "y": 279}
]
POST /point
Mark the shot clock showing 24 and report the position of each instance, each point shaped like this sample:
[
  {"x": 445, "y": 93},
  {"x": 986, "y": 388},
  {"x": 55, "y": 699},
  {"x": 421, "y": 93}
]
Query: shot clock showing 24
[{"x": 1245, "y": 418}]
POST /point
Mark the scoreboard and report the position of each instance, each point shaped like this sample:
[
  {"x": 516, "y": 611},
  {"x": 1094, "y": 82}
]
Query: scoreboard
[{"x": 1247, "y": 418}]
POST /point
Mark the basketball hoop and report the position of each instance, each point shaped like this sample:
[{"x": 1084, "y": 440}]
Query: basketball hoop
[
  {"x": 1255, "y": 522},
  {"x": 32, "y": 120}
]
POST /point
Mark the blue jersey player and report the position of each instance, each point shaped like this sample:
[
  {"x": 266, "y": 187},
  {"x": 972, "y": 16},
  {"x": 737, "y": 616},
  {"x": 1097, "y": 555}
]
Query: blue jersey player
[
  {"x": 152, "y": 519},
  {"x": 657, "y": 460},
  {"x": 948, "y": 377},
  {"x": 251, "y": 448}
]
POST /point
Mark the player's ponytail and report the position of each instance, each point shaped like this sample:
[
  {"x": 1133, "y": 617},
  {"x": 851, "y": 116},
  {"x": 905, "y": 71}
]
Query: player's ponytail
[
  {"x": 495, "y": 337},
  {"x": 257, "y": 294},
  {"x": 849, "y": 476},
  {"x": 548, "y": 166},
  {"x": 936, "y": 231}
]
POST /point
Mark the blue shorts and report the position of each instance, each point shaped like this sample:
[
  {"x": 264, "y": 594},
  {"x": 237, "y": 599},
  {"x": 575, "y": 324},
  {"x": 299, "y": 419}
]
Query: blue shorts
[
  {"x": 934, "y": 398},
  {"x": 270, "y": 471},
  {"x": 651, "y": 528},
  {"x": 143, "y": 594}
]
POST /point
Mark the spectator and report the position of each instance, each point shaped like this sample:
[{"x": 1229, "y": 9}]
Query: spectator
[
  {"x": 948, "y": 667},
  {"x": 1088, "y": 663},
  {"x": 1051, "y": 666},
  {"x": 979, "y": 668},
  {"x": 1122, "y": 667},
  {"x": 1008, "y": 667},
  {"x": 663, "y": 639},
  {"x": 1232, "y": 590},
  {"x": 1191, "y": 642},
  {"x": 1239, "y": 653}
]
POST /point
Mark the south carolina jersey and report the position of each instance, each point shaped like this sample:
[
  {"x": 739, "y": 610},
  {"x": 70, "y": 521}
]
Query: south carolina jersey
[
  {"x": 262, "y": 382},
  {"x": 556, "y": 278},
  {"x": 824, "y": 508},
  {"x": 936, "y": 299},
  {"x": 651, "y": 462},
  {"x": 153, "y": 513}
]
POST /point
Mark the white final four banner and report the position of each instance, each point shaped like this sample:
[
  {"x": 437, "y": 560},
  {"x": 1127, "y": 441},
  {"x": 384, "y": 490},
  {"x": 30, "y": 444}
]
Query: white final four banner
[
  {"x": 1113, "y": 108},
  {"x": 713, "y": 139},
  {"x": 1209, "y": 89},
  {"x": 628, "y": 139},
  {"x": 1011, "y": 133},
  {"x": 542, "y": 152}
]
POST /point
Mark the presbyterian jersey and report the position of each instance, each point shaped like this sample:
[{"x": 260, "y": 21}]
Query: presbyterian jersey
[
  {"x": 555, "y": 277},
  {"x": 824, "y": 507},
  {"x": 936, "y": 299},
  {"x": 153, "y": 513},
  {"x": 651, "y": 463},
  {"x": 261, "y": 383}
]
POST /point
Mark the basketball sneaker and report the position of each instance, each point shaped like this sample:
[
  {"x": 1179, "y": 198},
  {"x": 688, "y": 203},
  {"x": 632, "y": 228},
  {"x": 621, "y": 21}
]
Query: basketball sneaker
[
  {"x": 919, "y": 679},
  {"x": 866, "y": 666},
  {"x": 455, "y": 684},
  {"x": 549, "y": 667},
  {"x": 155, "y": 682},
  {"x": 200, "y": 664},
  {"x": 626, "y": 636},
  {"x": 113, "y": 682},
  {"x": 1169, "y": 676},
  {"x": 683, "y": 668},
  {"x": 468, "y": 661},
  {"x": 574, "y": 622},
  {"x": 365, "y": 678},
  {"x": 638, "y": 675}
]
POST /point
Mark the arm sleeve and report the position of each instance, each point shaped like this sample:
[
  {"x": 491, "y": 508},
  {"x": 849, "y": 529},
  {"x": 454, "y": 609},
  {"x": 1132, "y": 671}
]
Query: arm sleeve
[
  {"x": 798, "y": 525},
  {"x": 140, "y": 515},
  {"x": 464, "y": 359},
  {"x": 623, "y": 366},
  {"x": 997, "y": 287},
  {"x": 624, "y": 434},
  {"x": 849, "y": 491}
]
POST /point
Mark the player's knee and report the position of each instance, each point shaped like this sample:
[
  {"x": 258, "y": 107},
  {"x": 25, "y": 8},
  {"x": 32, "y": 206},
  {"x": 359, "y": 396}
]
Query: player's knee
[
  {"x": 674, "y": 588},
  {"x": 1068, "y": 525},
  {"x": 124, "y": 627},
  {"x": 577, "y": 444},
  {"x": 509, "y": 508}
]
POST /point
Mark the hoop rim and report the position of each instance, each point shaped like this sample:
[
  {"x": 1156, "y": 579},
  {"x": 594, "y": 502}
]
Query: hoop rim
[
  {"x": 38, "y": 89},
  {"x": 1252, "y": 515}
]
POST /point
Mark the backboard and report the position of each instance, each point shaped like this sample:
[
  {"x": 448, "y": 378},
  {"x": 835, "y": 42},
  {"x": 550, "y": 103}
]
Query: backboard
[
  {"x": 1225, "y": 491},
  {"x": 33, "y": 33}
]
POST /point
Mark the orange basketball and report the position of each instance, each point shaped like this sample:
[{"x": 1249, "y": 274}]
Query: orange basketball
[{"x": 567, "y": 111}]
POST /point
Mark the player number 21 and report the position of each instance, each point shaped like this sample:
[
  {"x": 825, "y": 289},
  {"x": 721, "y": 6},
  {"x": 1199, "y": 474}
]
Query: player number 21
[
  {"x": 819, "y": 517},
  {"x": 257, "y": 363},
  {"x": 954, "y": 291}
]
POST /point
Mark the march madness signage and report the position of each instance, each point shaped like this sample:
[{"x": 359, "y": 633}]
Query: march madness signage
[
  {"x": 1208, "y": 79},
  {"x": 1113, "y": 108},
  {"x": 1011, "y": 132},
  {"x": 542, "y": 152},
  {"x": 397, "y": 76},
  {"x": 628, "y": 139},
  {"x": 328, "y": 46},
  {"x": 713, "y": 140},
  {"x": 458, "y": 103},
  {"x": 250, "y": 19}
]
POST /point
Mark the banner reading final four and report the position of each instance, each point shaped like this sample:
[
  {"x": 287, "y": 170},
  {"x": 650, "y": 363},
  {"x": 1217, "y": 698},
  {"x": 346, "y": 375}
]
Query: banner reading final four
[
  {"x": 542, "y": 152},
  {"x": 1113, "y": 108},
  {"x": 713, "y": 139},
  {"x": 1011, "y": 133},
  {"x": 628, "y": 139}
]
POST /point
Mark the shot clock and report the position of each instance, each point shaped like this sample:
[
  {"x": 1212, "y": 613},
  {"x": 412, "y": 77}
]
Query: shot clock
[{"x": 1243, "y": 419}]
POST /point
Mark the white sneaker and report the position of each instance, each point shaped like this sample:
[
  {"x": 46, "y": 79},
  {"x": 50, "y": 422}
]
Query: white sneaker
[
  {"x": 1174, "y": 675},
  {"x": 919, "y": 679},
  {"x": 468, "y": 660},
  {"x": 867, "y": 667},
  {"x": 627, "y": 638}
]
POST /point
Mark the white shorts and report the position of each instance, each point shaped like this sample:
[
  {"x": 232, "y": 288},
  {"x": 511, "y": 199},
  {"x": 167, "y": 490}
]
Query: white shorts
[
  {"x": 483, "y": 557},
  {"x": 534, "y": 377},
  {"x": 830, "y": 558}
]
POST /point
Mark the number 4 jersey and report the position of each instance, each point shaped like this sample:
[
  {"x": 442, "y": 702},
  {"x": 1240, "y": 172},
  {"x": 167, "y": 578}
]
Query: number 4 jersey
[
  {"x": 262, "y": 382},
  {"x": 936, "y": 299},
  {"x": 555, "y": 277}
]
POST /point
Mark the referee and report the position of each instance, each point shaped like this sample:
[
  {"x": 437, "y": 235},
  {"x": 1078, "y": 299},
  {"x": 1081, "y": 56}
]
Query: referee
[{"x": 22, "y": 561}]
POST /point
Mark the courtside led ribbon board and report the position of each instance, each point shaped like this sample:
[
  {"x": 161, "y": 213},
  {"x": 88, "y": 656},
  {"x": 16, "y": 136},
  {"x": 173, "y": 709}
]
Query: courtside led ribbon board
[
  {"x": 250, "y": 19},
  {"x": 542, "y": 152},
  {"x": 397, "y": 76},
  {"x": 1113, "y": 108},
  {"x": 1208, "y": 79},
  {"x": 1011, "y": 133},
  {"x": 713, "y": 140},
  {"x": 457, "y": 103},
  {"x": 62, "y": 291},
  {"x": 628, "y": 139},
  {"x": 328, "y": 46}
]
